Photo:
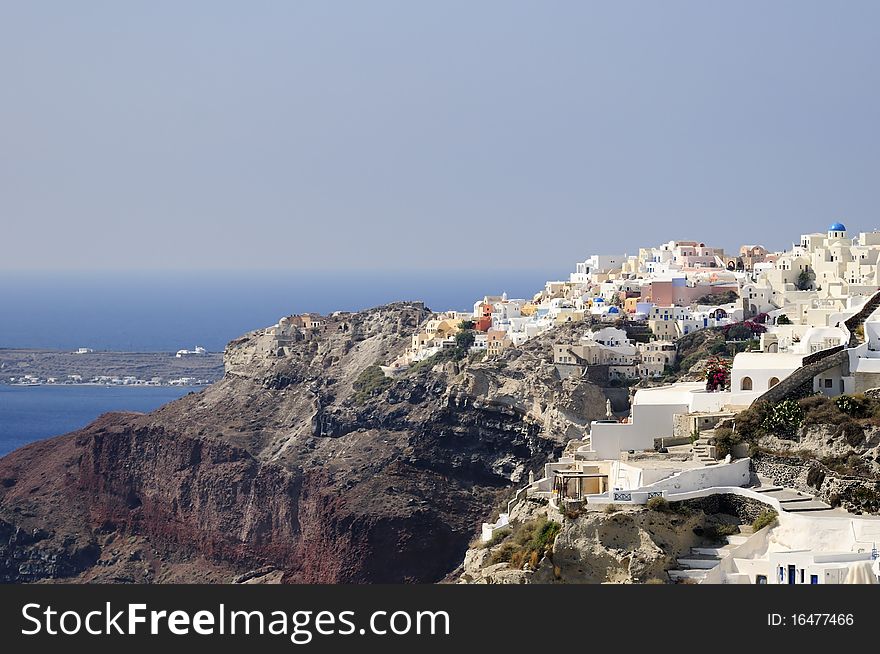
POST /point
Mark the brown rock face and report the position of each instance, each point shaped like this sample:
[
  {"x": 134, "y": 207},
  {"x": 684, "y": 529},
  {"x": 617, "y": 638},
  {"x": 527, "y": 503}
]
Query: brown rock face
[{"x": 282, "y": 471}]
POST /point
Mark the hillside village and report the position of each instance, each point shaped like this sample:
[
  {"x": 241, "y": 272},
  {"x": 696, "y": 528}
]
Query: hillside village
[{"x": 779, "y": 326}]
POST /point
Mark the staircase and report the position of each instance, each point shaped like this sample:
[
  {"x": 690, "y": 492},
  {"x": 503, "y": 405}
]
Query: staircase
[
  {"x": 702, "y": 451},
  {"x": 793, "y": 501},
  {"x": 694, "y": 566},
  {"x": 856, "y": 321},
  {"x": 800, "y": 382}
]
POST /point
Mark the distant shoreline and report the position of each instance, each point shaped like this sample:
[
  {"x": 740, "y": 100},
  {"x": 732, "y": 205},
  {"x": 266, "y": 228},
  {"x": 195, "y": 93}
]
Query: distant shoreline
[
  {"x": 79, "y": 384},
  {"x": 35, "y": 367}
]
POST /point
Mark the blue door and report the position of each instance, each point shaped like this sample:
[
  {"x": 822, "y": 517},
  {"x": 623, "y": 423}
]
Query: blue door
[
  {"x": 792, "y": 570},
  {"x": 814, "y": 579}
]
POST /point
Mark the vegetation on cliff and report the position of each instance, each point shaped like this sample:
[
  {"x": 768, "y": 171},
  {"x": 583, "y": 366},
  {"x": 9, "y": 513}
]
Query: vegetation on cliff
[{"x": 304, "y": 464}]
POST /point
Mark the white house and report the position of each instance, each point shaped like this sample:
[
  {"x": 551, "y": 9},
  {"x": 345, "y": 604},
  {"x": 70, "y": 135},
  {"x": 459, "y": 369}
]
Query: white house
[{"x": 761, "y": 371}]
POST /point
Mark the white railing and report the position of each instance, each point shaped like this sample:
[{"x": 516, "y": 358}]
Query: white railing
[{"x": 490, "y": 529}]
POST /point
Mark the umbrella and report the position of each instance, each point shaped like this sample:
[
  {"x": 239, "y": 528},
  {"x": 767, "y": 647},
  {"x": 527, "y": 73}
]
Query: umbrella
[{"x": 861, "y": 572}]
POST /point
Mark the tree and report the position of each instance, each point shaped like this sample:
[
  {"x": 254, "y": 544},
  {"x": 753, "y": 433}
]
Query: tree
[
  {"x": 739, "y": 332},
  {"x": 805, "y": 280},
  {"x": 463, "y": 340},
  {"x": 783, "y": 320},
  {"x": 466, "y": 324}
]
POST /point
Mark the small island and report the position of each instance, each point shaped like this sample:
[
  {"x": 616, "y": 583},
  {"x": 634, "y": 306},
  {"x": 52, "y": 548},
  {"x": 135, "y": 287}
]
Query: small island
[{"x": 33, "y": 367}]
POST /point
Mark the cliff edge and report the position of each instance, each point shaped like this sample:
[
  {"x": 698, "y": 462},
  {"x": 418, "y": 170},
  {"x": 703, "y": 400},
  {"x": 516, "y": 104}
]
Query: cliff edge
[{"x": 299, "y": 466}]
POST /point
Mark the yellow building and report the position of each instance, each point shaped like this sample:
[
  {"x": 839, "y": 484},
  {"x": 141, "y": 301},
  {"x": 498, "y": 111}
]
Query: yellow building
[
  {"x": 569, "y": 315},
  {"x": 448, "y": 327}
]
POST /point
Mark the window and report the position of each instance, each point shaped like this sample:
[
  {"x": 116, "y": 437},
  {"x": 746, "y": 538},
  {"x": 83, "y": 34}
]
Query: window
[
  {"x": 746, "y": 384},
  {"x": 829, "y": 383},
  {"x": 773, "y": 381},
  {"x": 762, "y": 580}
]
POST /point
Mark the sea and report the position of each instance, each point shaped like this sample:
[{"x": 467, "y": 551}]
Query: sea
[
  {"x": 169, "y": 311},
  {"x": 31, "y": 413}
]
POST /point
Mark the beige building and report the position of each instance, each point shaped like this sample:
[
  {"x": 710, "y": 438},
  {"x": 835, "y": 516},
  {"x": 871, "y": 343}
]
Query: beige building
[
  {"x": 655, "y": 357},
  {"x": 496, "y": 341}
]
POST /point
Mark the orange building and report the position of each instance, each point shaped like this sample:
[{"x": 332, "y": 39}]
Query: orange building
[{"x": 483, "y": 324}]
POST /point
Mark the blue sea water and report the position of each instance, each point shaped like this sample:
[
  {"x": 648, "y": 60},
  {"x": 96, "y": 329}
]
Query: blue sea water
[{"x": 31, "y": 413}]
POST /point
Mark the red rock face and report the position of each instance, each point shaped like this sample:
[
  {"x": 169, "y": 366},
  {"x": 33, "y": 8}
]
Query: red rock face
[{"x": 203, "y": 498}]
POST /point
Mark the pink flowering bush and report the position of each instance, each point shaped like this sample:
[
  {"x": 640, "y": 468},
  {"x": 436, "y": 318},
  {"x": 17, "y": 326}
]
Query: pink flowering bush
[{"x": 717, "y": 374}]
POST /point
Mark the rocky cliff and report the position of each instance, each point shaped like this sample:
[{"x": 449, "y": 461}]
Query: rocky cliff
[
  {"x": 293, "y": 467},
  {"x": 618, "y": 545}
]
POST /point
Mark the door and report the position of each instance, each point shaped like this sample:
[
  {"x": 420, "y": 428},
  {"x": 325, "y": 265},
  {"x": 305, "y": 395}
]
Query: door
[
  {"x": 792, "y": 570},
  {"x": 814, "y": 579}
]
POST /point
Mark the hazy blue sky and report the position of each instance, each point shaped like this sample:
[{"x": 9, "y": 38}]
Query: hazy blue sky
[{"x": 445, "y": 134}]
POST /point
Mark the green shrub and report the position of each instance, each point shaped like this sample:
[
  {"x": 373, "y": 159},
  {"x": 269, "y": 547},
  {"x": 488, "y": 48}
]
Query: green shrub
[
  {"x": 444, "y": 355},
  {"x": 750, "y": 423},
  {"x": 372, "y": 381},
  {"x": 497, "y": 536},
  {"x": 528, "y": 543},
  {"x": 766, "y": 519},
  {"x": 725, "y": 439},
  {"x": 545, "y": 535},
  {"x": 739, "y": 332},
  {"x": 658, "y": 503},
  {"x": 856, "y": 406},
  {"x": 784, "y": 418},
  {"x": 463, "y": 342},
  {"x": 719, "y": 349},
  {"x": 852, "y": 432},
  {"x": 504, "y": 553},
  {"x": 820, "y": 410}
]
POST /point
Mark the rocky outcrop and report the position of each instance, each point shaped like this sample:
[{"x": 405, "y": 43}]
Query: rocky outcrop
[
  {"x": 621, "y": 545},
  {"x": 282, "y": 471},
  {"x": 855, "y": 494}
]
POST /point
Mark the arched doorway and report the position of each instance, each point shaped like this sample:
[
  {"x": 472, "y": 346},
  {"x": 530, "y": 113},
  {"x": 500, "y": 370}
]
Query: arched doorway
[
  {"x": 773, "y": 381},
  {"x": 745, "y": 384}
]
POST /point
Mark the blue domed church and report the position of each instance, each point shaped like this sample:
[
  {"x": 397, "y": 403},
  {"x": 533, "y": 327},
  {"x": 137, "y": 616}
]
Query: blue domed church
[{"x": 836, "y": 230}]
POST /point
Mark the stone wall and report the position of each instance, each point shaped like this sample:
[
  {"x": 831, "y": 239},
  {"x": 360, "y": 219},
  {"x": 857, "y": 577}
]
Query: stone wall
[
  {"x": 854, "y": 494},
  {"x": 744, "y": 508}
]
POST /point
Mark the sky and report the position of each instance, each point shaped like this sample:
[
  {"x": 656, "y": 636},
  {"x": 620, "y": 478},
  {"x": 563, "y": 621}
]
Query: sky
[{"x": 448, "y": 135}]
